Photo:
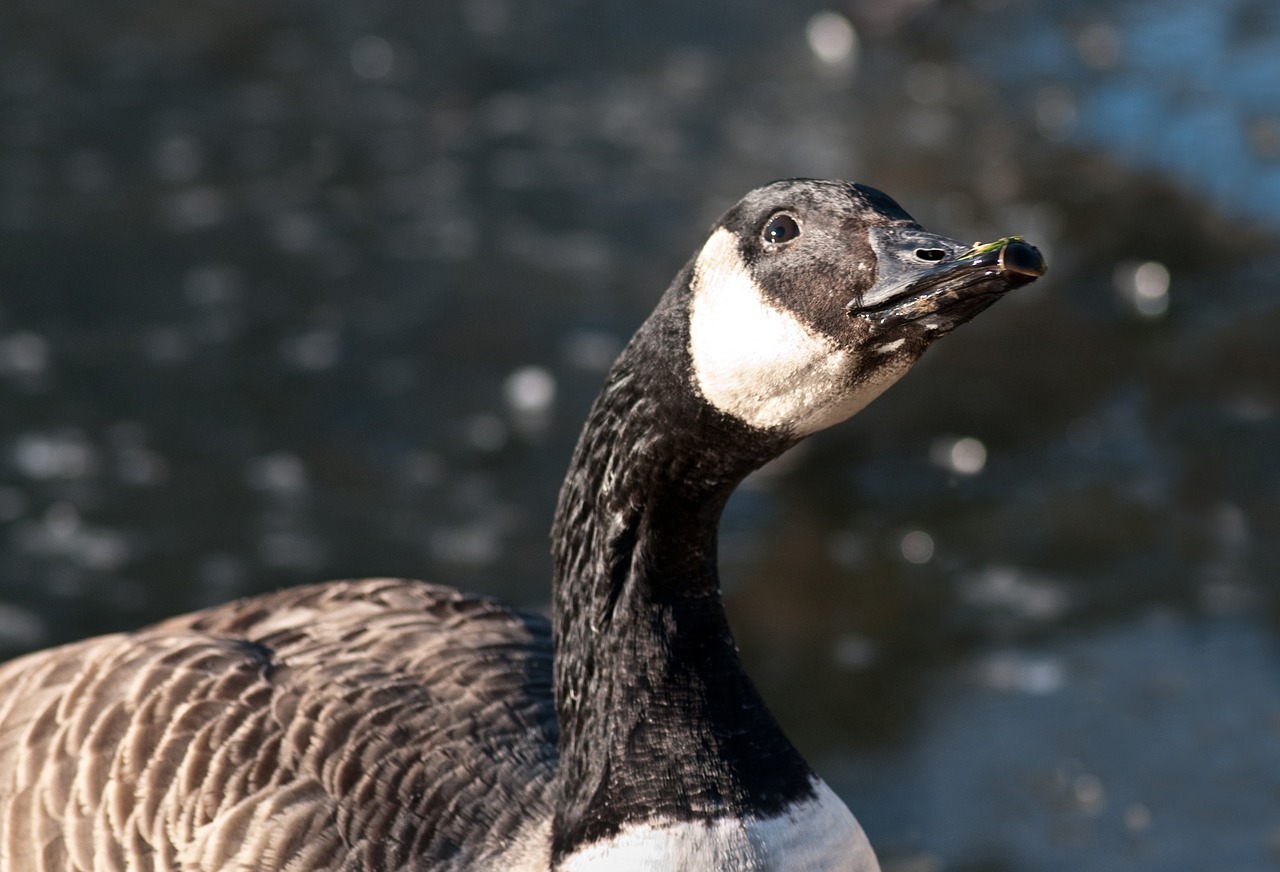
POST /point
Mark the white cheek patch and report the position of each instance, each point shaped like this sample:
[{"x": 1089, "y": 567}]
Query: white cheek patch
[
  {"x": 758, "y": 362},
  {"x": 819, "y": 835}
]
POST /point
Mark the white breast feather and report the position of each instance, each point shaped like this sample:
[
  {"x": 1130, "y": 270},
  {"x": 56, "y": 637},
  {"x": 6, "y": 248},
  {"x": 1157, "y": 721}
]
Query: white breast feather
[{"x": 819, "y": 835}]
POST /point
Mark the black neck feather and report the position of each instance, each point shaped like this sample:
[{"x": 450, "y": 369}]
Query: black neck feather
[{"x": 657, "y": 717}]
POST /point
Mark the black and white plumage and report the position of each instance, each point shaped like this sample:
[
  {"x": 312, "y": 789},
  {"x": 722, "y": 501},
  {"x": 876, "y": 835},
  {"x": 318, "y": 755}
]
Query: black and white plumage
[{"x": 395, "y": 725}]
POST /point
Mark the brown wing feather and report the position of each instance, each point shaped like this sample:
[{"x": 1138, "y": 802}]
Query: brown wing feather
[{"x": 371, "y": 725}]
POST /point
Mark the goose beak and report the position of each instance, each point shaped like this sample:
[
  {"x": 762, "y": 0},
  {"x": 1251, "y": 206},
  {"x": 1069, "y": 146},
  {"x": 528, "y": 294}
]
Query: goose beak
[{"x": 943, "y": 294}]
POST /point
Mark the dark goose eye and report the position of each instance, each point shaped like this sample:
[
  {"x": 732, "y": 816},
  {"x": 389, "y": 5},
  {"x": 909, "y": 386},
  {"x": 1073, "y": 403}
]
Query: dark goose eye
[{"x": 781, "y": 228}]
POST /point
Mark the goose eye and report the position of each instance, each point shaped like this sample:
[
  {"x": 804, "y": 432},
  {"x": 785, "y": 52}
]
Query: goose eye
[{"x": 781, "y": 228}]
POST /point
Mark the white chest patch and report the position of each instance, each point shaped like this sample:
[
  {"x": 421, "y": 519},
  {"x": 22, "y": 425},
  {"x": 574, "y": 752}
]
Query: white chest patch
[
  {"x": 819, "y": 835},
  {"x": 760, "y": 363}
]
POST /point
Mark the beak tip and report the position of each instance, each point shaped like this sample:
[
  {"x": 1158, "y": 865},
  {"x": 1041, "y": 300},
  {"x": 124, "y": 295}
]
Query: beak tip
[{"x": 1022, "y": 258}]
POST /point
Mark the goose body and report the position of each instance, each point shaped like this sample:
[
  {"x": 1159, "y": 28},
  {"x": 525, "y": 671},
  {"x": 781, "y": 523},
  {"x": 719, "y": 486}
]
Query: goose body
[{"x": 381, "y": 724}]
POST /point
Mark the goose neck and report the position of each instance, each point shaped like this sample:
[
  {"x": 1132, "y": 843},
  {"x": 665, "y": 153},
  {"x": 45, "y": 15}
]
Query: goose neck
[{"x": 657, "y": 717}]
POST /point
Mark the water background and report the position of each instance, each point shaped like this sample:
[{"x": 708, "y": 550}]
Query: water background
[{"x": 297, "y": 291}]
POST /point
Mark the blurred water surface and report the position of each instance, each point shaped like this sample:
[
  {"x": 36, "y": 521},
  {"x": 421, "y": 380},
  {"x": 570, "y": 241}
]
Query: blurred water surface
[{"x": 300, "y": 291}]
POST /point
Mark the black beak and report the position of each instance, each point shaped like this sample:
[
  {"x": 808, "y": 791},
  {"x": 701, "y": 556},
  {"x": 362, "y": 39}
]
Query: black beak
[
  {"x": 957, "y": 284},
  {"x": 1013, "y": 256}
]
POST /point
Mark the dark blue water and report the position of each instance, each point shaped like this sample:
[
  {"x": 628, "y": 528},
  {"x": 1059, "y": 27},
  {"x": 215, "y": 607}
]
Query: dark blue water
[{"x": 290, "y": 292}]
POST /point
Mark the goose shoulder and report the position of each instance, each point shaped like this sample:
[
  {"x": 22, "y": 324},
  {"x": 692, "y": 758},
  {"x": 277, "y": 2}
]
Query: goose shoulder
[{"x": 322, "y": 727}]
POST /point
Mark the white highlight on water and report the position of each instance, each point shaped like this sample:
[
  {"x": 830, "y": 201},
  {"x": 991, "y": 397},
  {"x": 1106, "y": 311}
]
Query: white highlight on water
[{"x": 832, "y": 38}]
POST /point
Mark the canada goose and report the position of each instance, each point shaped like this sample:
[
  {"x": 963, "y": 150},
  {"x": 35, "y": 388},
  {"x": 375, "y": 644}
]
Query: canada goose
[{"x": 396, "y": 725}]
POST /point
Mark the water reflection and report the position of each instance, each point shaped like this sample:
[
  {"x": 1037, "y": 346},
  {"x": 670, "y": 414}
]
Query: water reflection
[
  {"x": 1185, "y": 88},
  {"x": 1126, "y": 749},
  {"x": 284, "y": 298}
]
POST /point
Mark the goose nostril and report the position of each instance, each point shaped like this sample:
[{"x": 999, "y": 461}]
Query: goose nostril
[{"x": 930, "y": 254}]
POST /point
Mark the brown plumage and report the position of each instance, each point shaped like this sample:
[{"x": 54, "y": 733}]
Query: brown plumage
[{"x": 255, "y": 736}]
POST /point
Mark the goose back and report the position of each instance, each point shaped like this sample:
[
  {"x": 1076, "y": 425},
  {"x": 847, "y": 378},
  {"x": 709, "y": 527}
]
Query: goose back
[{"x": 371, "y": 725}]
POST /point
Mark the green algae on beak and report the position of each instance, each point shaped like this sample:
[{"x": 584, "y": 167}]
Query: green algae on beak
[{"x": 1011, "y": 254}]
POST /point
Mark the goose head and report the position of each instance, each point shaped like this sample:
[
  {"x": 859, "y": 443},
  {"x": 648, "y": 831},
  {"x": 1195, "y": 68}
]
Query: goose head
[{"x": 811, "y": 297}]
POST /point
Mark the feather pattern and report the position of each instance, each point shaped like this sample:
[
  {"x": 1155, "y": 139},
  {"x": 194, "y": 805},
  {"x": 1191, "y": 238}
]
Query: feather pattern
[{"x": 372, "y": 725}]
